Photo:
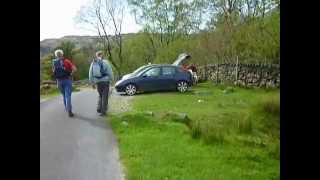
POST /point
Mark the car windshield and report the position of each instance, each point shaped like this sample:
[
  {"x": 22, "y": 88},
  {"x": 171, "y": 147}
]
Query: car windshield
[
  {"x": 143, "y": 70},
  {"x": 139, "y": 69}
]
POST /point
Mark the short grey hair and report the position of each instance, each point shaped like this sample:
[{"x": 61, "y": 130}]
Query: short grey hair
[
  {"x": 98, "y": 53},
  {"x": 58, "y": 52}
]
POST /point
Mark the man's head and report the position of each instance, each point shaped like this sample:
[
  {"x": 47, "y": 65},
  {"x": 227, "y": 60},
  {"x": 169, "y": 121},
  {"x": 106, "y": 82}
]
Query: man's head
[
  {"x": 58, "y": 53},
  {"x": 99, "y": 54}
]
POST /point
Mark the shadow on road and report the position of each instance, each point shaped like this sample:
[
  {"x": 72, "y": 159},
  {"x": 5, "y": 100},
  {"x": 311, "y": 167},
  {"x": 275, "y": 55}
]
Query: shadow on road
[{"x": 94, "y": 122}]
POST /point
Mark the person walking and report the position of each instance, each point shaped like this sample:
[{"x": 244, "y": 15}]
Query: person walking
[
  {"x": 100, "y": 76},
  {"x": 63, "y": 69}
]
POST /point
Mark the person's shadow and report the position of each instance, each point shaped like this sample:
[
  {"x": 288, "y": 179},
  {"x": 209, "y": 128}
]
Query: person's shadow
[{"x": 98, "y": 122}]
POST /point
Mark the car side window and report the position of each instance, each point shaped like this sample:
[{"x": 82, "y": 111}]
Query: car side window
[
  {"x": 154, "y": 72},
  {"x": 168, "y": 71}
]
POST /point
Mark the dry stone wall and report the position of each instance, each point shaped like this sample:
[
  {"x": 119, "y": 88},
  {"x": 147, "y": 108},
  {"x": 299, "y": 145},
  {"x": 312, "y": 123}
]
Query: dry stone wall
[{"x": 246, "y": 75}]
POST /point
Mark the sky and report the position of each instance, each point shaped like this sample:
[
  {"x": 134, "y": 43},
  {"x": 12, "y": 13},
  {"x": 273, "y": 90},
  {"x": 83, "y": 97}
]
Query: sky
[{"x": 57, "y": 19}]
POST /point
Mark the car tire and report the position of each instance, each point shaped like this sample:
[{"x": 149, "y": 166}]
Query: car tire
[
  {"x": 131, "y": 89},
  {"x": 182, "y": 86}
]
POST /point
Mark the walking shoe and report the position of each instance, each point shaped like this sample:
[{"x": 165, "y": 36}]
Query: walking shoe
[
  {"x": 71, "y": 114},
  {"x": 102, "y": 114}
]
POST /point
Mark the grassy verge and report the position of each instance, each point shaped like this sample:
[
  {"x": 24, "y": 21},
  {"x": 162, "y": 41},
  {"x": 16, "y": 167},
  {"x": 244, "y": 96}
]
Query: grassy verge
[
  {"x": 48, "y": 92},
  {"x": 214, "y": 132}
]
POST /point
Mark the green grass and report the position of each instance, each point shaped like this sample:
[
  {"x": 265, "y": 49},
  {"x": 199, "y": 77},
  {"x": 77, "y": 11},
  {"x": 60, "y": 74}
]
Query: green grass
[
  {"x": 229, "y": 134},
  {"x": 50, "y": 92}
]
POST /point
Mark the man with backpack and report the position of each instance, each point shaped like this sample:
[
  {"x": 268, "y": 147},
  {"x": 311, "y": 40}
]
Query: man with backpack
[
  {"x": 63, "y": 69},
  {"x": 194, "y": 72},
  {"x": 100, "y": 74}
]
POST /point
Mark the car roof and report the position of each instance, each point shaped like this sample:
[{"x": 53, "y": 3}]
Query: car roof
[
  {"x": 161, "y": 65},
  {"x": 157, "y": 65},
  {"x": 150, "y": 66}
]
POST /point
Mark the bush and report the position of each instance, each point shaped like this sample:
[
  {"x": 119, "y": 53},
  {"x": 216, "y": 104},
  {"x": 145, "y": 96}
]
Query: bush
[
  {"x": 195, "y": 129},
  {"x": 48, "y": 89},
  {"x": 228, "y": 90},
  {"x": 177, "y": 117},
  {"x": 271, "y": 106},
  {"x": 75, "y": 88},
  {"x": 212, "y": 132},
  {"x": 244, "y": 124},
  {"x": 46, "y": 67},
  {"x": 252, "y": 141},
  {"x": 274, "y": 150}
]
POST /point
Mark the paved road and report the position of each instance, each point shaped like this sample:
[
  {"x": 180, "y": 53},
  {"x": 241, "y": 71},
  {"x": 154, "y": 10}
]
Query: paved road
[{"x": 78, "y": 148}]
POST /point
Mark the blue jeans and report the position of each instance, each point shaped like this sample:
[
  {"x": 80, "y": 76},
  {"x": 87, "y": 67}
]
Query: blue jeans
[{"x": 65, "y": 86}]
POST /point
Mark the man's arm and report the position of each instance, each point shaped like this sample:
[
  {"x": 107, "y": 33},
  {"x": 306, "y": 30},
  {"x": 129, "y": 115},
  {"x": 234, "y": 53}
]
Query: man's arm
[
  {"x": 52, "y": 65},
  {"x": 90, "y": 74},
  {"x": 74, "y": 68}
]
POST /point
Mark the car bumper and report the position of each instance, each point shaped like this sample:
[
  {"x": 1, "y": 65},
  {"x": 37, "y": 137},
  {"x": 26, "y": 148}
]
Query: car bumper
[{"x": 120, "y": 88}]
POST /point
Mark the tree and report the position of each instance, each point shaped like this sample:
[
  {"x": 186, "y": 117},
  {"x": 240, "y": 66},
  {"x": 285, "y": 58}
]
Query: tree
[
  {"x": 67, "y": 47},
  {"x": 46, "y": 67},
  {"x": 82, "y": 60},
  {"x": 168, "y": 20},
  {"x": 106, "y": 17},
  {"x": 137, "y": 52},
  {"x": 248, "y": 29}
]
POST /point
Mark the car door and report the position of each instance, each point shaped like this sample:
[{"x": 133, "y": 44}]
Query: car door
[
  {"x": 167, "y": 78},
  {"x": 149, "y": 80}
]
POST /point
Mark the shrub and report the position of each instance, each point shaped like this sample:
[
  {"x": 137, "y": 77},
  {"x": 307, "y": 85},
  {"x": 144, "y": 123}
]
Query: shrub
[
  {"x": 212, "y": 132},
  {"x": 75, "y": 88},
  {"x": 177, "y": 117},
  {"x": 48, "y": 89},
  {"x": 271, "y": 106},
  {"x": 274, "y": 150},
  {"x": 244, "y": 124},
  {"x": 228, "y": 90},
  {"x": 195, "y": 129}
]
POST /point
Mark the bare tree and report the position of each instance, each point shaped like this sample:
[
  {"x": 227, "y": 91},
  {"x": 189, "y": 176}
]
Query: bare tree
[{"x": 106, "y": 17}]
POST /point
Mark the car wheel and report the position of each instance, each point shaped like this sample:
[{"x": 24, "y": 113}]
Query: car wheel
[
  {"x": 182, "y": 86},
  {"x": 131, "y": 89}
]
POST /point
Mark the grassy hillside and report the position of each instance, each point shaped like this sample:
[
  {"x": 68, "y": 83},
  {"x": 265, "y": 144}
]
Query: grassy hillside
[{"x": 230, "y": 133}]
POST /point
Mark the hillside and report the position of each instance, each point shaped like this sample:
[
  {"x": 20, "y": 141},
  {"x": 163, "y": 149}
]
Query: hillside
[{"x": 48, "y": 45}]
